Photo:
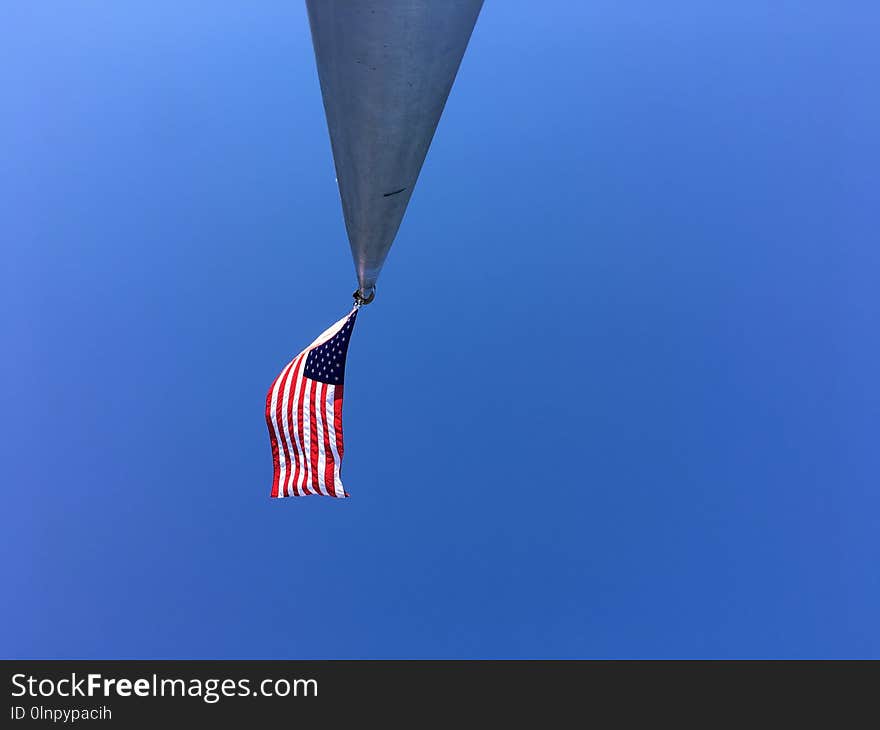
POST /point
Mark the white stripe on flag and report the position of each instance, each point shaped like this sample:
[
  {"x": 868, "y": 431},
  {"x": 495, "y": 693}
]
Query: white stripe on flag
[
  {"x": 285, "y": 422},
  {"x": 330, "y": 415},
  {"x": 317, "y": 406},
  {"x": 295, "y": 484},
  {"x": 307, "y": 439}
]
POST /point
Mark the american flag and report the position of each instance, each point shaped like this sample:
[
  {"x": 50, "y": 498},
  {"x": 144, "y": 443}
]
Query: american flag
[{"x": 304, "y": 415}]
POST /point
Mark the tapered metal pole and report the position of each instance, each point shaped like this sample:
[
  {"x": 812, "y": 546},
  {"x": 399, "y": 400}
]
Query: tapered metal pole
[{"x": 386, "y": 68}]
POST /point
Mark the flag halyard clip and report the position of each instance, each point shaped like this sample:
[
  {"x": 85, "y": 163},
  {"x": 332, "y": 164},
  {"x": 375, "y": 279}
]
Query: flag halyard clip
[{"x": 360, "y": 300}]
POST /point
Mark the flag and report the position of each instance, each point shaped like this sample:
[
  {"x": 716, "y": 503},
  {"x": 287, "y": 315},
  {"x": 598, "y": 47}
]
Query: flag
[{"x": 304, "y": 416}]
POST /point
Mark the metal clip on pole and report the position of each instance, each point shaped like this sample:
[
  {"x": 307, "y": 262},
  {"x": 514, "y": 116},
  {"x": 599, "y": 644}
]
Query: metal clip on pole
[{"x": 360, "y": 300}]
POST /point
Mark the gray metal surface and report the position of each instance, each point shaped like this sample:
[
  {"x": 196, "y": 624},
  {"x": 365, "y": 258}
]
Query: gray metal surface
[{"x": 386, "y": 68}]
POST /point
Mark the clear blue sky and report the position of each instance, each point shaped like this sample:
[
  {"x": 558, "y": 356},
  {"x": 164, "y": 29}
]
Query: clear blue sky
[{"x": 617, "y": 396}]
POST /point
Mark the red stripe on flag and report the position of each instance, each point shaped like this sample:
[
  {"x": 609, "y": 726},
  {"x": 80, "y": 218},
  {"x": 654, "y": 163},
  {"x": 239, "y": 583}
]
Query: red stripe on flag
[
  {"x": 337, "y": 428},
  {"x": 337, "y": 421},
  {"x": 272, "y": 440},
  {"x": 279, "y": 411},
  {"x": 314, "y": 439},
  {"x": 329, "y": 481},
  {"x": 293, "y": 471}
]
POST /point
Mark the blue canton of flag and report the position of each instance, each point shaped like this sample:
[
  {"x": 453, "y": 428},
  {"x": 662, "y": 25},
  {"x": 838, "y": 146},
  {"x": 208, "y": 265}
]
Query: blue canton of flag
[{"x": 326, "y": 363}]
